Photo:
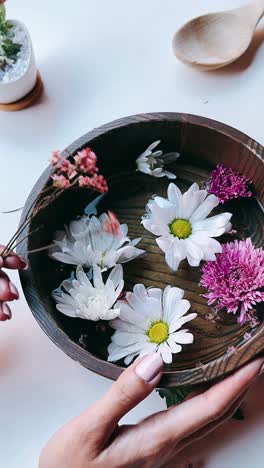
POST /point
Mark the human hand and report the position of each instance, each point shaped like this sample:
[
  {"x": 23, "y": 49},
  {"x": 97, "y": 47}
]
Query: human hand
[
  {"x": 94, "y": 439},
  {"x": 8, "y": 291}
]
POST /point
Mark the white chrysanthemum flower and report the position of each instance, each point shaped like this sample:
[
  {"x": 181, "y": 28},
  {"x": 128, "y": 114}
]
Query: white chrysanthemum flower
[
  {"x": 85, "y": 300},
  {"x": 86, "y": 242},
  {"x": 152, "y": 163},
  {"x": 182, "y": 224},
  {"x": 149, "y": 322}
]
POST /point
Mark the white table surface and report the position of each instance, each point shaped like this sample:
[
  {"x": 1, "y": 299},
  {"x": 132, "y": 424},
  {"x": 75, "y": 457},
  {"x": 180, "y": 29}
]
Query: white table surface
[{"x": 101, "y": 60}]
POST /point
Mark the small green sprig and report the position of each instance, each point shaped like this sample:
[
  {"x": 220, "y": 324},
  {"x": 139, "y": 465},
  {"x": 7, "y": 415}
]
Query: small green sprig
[{"x": 8, "y": 47}]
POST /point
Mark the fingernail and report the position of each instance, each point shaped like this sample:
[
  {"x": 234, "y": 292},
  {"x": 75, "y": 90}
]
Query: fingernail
[
  {"x": 6, "y": 310},
  {"x": 150, "y": 367},
  {"x": 1, "y": 262},
  {"x": 13, "y": 289}
]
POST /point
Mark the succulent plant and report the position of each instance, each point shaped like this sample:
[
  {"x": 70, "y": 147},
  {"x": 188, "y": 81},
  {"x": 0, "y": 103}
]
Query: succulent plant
[{"x": 8, "y": 47}]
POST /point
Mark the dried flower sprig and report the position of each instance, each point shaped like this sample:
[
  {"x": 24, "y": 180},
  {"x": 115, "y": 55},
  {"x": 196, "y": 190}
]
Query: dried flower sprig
[
  {"x": 235, "y": 280},
  {"x": 65, "y": 175},
  {"x": 83, "y": 172},
  {"x": 228, "y": 184}
]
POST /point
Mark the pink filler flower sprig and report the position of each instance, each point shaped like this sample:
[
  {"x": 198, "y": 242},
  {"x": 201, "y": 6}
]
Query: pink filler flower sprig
[
  {"x": 235, "y": 280},
  {"x": 83, "y": 173},
  {"x": 228, "y": 184}
]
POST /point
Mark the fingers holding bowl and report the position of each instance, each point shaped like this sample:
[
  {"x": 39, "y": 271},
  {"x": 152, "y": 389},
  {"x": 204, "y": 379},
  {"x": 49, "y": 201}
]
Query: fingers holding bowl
[
  {"x": 12, "y": 261},
  {"x": 8, "y": 291}
]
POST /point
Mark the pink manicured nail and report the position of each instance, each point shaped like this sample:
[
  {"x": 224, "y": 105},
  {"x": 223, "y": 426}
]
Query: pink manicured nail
[
  {"x": 6, "y": 310},
  {"x": 13, "y": 289},
  {"x": 1, "y": 262},
  {"x": 150, "y": 367}
]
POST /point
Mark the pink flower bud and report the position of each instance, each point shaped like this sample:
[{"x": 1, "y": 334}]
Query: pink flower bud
[{"x": 112, "y": 225}]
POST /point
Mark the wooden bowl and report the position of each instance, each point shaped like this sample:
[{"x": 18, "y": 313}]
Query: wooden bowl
[{"x": 203, "y": 143}]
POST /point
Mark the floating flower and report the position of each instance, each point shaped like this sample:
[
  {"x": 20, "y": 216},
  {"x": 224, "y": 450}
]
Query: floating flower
[
  {"x": 85, "y": 242},
  {"x": 182, "y": 224},
  {"x": 149, "y": 322},
  {"x": 85, "y": 300},
  {"x": 235, "y": 281},
  {"x": 60, "y": 181},
  {"x": 152, "y": 163},
  {"x": 228, "y": 184}
]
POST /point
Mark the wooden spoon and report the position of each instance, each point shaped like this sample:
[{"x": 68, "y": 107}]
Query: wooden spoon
[{"x": 213, "y": 41}]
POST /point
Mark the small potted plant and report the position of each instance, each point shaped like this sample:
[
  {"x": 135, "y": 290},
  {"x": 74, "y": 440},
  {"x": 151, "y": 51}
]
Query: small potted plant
[{"x": 18, "y": 73}]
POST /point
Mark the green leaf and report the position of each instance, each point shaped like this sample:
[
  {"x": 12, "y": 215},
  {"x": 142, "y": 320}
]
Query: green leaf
[
  {"x": 174, "y": 396},
  {"x": 2, "y": 13}
]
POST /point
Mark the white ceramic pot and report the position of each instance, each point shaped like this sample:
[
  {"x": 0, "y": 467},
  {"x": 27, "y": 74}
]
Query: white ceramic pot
[{"x": 14, "y": 90}]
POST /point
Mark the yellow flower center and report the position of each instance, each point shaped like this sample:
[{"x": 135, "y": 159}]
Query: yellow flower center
[
  {"x": 158, "y": 332},
  {"x": 181, "y": 228}
]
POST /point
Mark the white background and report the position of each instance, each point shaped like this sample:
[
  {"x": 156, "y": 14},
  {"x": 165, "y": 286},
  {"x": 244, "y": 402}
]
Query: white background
[{"x": 101, "y": 60}]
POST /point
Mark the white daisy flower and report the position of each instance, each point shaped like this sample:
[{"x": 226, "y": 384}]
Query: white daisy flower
[
  {"x": 86, "y": 242},
  {"x": 152, "y": 163},
  {"x": 149, "y": 322},
  {"x": 182, "y": 224},
  {"x": 80, "y": 298}
]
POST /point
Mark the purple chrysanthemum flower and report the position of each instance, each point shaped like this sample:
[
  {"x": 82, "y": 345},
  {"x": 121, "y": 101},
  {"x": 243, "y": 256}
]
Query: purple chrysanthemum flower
[
  {"x": 228, "y": 184},
  {"x": 235, "y": 280}
]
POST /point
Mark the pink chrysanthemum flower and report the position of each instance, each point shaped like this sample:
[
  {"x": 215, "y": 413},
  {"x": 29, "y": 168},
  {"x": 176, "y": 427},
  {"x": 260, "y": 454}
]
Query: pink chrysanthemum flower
[
  {"x": 228, "y": 184},
  {"x": 235, "y": 280}
]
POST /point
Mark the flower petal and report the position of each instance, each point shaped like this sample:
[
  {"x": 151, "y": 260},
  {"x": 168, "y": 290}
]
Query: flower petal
[
  {"x": 174, "y": 346},
  {"x": 191, "y": 201},
  {"x": 126, "y": 339},
  {"x": 182, "y": 337},
  {"x": 116, "y": 276},
  {"x": 181, "y": 321},
  {"x": 165, "y": 352},
  {"x": 125, "y": 254},
  {"x": 213, "y": 224},
  {"x": 175, "y": 197},
  {"x": 172, "y": 302},
  {"x": 119, "y": 324},
  {"x": 205, "y": 208}
]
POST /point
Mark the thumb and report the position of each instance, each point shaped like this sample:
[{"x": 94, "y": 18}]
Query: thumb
[{"x": 133, "y": 386}]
